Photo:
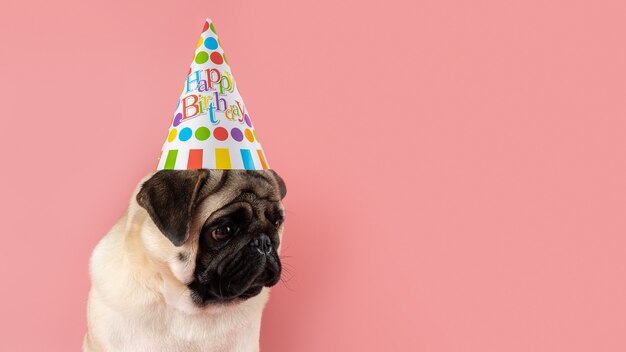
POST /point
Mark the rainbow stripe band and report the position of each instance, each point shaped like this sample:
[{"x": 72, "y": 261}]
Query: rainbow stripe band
[
  {"x": 262, "y": 158},
  {"x": 222, "y": 159},
  {"x": 195, "y": 159},
  {"x": 246, "y": 156},
  {"x": 170, "y": 162},
  {"x": 198, "y": 159}
]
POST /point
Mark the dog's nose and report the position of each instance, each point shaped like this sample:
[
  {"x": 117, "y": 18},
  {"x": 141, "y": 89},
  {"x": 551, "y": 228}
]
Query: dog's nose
[{"x": 263, "y": 244}]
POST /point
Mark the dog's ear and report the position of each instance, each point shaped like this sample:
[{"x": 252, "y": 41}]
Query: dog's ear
[
  {"x": 170, "y": 197},
  {"x": 281, "y": 184}
]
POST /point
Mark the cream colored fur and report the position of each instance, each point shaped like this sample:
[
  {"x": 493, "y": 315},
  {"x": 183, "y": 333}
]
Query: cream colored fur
[{"x": 139, "y": 302}]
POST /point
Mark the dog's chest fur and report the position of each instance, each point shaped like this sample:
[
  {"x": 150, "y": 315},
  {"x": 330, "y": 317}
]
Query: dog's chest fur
[{"x": 164, "y": 330}]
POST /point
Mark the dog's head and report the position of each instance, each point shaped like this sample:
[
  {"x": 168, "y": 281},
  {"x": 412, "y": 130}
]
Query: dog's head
[{"x": 218, "y": 231}]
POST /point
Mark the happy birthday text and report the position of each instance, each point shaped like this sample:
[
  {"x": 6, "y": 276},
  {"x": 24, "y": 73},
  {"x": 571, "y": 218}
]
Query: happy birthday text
[{"x": 209, "y": 88}]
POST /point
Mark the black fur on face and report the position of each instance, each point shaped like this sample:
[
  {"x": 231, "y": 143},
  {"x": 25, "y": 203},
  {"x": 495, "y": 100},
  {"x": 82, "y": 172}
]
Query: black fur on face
[{"x": 237, "y": 250}]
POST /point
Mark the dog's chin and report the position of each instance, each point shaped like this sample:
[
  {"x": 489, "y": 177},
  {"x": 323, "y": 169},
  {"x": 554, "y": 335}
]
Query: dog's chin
[
  {"x": 203, "y": 299},
  {"x": 242, "y": 278}
]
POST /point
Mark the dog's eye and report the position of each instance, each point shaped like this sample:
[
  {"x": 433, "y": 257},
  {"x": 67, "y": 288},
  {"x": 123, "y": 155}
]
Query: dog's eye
[{"x": 223, "y": 232}]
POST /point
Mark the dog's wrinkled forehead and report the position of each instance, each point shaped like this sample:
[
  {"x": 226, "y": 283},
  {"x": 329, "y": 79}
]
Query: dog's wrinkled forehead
[
  {"x": 251, "y": 187},
  {"x": 173, "y": 198}
]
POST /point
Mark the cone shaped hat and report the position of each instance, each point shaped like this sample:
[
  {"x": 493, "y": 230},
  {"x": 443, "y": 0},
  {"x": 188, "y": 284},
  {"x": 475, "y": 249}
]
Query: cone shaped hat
[{"x": 211, "y": 128}]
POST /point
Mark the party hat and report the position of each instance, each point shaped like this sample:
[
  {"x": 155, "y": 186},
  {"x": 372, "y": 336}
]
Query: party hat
[{"x": 211, "y": 127}]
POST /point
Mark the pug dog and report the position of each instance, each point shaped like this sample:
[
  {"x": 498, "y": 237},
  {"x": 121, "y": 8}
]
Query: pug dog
[{"x": 189, "y": 265}]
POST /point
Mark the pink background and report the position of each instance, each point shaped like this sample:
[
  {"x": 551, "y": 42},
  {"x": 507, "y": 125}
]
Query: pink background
[{"x": 456, "y": 169}]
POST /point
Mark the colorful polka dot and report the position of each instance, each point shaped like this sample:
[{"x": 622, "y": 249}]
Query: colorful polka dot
[
  {"x": 220, "y": 133},
  {"x": 202, "y": 133},
  {"x": 225, "y": 59},
  {"x": 236, "y": 134},
  {"x": 213, "y": 28},
  {"x": 172, "y": 135},
  {"x": 199, "y": 42},
  {"x": 185, "y": 134},
  {"x": 249, "y": 135},
  {"x": 247, "y": 118},
  {"x": 202, "y": 57},
  {"x": 206, "y": 26},
  {"x": 210, "y": 43},
  {"x": 255, "y": 136},
  {"x": 177, "y": 118},
  {"x": 216, "y": 58}
]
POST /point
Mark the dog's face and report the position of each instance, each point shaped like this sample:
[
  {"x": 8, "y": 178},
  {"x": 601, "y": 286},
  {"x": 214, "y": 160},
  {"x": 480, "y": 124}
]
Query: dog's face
[{"x": 219, "y": 230}]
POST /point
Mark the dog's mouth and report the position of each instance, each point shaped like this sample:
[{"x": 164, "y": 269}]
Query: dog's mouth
[{"x": 241, "y": 278}]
